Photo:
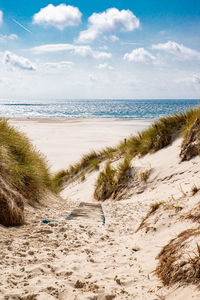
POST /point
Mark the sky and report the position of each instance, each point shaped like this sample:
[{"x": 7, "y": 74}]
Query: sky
[{"x": 130, "y": 49}]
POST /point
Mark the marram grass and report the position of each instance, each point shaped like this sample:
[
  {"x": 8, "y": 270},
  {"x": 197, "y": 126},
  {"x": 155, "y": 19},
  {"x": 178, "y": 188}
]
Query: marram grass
[
  {"x": 160, "y": 134},
  {"x": 23, "y": 168},
  {"x": 111, "y": 181}
]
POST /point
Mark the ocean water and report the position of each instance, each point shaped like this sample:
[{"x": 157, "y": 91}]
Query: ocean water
[{"x": 112, "y": 109}]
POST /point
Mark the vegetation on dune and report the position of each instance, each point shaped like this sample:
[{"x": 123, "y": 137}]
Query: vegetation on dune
[
  {"x": 112, "y": 181},
  {"x": 176, "y": 267},
  {"x": 88, "y": 163},
  {"x": 153, "y": 208},
  {"x": 159, "y": 135},
  {"x": 11, "y": 205},
  {"x": 105, "y": 183},
  {"x": 23, "y": 172},
  {"x": 144, "y": 175},
  {"x": 191, "y": 141},
  {"x": 23, "y": 167}
]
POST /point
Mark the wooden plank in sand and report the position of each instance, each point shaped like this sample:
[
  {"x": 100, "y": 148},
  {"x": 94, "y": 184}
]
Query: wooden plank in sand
[{"x": 88, "y": 211}]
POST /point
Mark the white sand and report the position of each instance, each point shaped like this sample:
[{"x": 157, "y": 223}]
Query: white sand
[
  {"x": 110, "y": 261},
  {"x": 64, "y": 141}
]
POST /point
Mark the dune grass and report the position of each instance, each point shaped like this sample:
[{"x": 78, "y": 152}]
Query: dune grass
[
  {"x": 159, "y": 135},
  {"x": 144, "y": 175},
  {"x": 23, "y": 168},
  {"x": 89, "y": 162},
  {"x": 111, "y": 181},
  {"x": 176, "y": 263},
  {"x": 105, "y": 184},
  {"x": 153, "y": 208}
]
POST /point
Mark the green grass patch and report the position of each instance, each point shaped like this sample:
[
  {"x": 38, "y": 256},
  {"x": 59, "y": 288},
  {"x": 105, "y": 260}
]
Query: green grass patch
[
  {"x": 21, "y": 165},
  {"x": 105, "y": 184},
  {"x": 111, "y": 181}
]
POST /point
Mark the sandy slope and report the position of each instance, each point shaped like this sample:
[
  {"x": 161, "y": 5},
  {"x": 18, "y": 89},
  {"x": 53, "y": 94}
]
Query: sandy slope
[{"x": 85, "y": 259}]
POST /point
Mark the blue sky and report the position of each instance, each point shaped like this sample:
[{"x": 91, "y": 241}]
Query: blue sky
[{"x": 104, "y": 49}]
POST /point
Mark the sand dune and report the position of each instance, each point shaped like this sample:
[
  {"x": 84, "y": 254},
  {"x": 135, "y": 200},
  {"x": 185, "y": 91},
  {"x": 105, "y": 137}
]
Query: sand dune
[{"x": 85, "y": 259}]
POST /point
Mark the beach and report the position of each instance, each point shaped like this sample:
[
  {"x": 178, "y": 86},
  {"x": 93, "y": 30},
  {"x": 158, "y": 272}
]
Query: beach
[
  {"x": 100, "y": 150},
  {"x": 64, "y": 141},
  {"x": 95, "y": 258}
]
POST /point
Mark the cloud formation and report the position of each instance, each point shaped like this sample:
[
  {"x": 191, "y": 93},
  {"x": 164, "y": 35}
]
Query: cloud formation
[
  {"x": 105, "y": 66},
  {"x": 12, "y": 60},
  {"x": 58, "y": 65},
  {"x": 111, "y": 20},
  {"x": 4, "y": 38},
  {"x": 194, "y": 79},
  {"x": 60, "y": 16},
  {"x": 178, "y": 50},
  {"x": 84, "y": 51},
  {"x": 140, "y": 55},
  {"x": 1, "y": 17}
]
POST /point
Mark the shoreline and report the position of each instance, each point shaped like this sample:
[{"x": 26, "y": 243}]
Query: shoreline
[{"x": 75, "y": 119}]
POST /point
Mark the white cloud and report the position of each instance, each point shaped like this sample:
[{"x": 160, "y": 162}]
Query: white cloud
[
  {"x": 194, "y": 79},
  {"x": 19, "y": 62},
  {"x": 87, "y": 36},
  {"x": 113, "y": 38},
  {"x": 85, "y": 51},
  {"x": 60, "y": 16},
  {"x": 140, "y": 55},
  {"x": 1, "y": 17},
  {"x": 58, "y": 65},
  {"x": 13, "y": 36},
  {"x": 105, "y": 66},
  {"x": 4, "y": 38},
  {"x": 178, "y": 50},
  {"x": 111, "y": 20},
  {"x": 52, "y": 48}
]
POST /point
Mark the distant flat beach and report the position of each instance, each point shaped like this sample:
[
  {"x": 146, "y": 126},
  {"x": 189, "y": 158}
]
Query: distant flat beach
[{"x": 63, "y": 141}]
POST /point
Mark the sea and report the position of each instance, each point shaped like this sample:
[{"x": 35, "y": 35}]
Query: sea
[{"x": 109, "y": 109}]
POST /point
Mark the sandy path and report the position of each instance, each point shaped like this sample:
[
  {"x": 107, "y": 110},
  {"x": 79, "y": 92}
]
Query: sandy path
[{"x": 72, "y": 260}]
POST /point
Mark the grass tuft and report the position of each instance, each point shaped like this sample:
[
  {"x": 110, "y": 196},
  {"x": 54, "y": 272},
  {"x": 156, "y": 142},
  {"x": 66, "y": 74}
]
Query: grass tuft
[
  {"x": 105, "y": 184},
  {"x": 94, "y": 164},
  {"x": 176, "y": 263},
  {"x": 144, "y": 175},
  {"x": 88, "y": 162},
  {"x": 153, "y": 208},
  {"x": 111, "y": 181},
  {"x": 23, "y": 167},
  {"x": 24, "y": 175},
  {"x": 191, "y": 142}
]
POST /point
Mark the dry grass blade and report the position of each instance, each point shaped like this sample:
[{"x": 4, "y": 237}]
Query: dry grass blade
[
  {"x": 194, "y": 190},
  {"x": 176, "y": 263},
  {"x": 153, "y": 208}
]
